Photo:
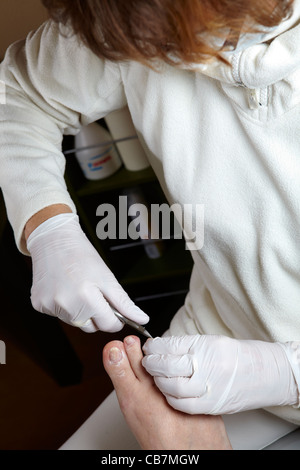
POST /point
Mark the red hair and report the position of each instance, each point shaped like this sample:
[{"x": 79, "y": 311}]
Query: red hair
[{"x": 175, "y": 31}]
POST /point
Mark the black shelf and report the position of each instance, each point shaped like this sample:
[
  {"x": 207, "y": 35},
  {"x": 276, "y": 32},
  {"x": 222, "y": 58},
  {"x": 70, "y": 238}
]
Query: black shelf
[
  {"x": 175, "y": 262},
  {"x": 122, "y": 178}
]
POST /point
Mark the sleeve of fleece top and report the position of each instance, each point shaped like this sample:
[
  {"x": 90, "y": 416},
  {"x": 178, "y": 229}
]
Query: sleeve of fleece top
[{"x": 53, "y": 85}]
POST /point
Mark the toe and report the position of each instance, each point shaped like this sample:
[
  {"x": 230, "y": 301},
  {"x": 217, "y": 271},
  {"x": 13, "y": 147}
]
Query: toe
[
  {"x": 118, "y": 367},
  {"x": 124, "y": 380},
  {"x": 134, "y": 353}
]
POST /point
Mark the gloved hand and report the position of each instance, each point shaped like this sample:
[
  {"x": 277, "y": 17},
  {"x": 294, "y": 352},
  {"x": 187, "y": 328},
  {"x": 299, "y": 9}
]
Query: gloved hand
[
  {"x": 219, "y": 375},
  {"x": 72, "y": 282}
]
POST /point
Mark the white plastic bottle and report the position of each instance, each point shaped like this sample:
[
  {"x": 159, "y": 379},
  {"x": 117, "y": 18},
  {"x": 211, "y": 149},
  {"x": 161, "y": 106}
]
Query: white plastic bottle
[{"x": 103, "y": 159}]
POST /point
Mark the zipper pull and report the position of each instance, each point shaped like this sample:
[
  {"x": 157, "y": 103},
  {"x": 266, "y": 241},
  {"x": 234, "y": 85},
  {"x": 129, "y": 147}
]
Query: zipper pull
[{"x": 253, "y": 98}]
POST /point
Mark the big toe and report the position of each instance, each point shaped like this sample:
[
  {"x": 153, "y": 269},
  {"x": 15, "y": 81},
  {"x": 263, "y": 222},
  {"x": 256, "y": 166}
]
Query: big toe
[{"x": 118, "y": 367}]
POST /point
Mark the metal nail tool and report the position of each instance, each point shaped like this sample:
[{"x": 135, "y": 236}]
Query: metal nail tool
[{"x": 136, "y": 326}]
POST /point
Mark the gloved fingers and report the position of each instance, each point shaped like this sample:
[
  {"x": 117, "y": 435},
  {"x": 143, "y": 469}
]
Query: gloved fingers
[
  {"x": 95, "y": 307},
  {"x": 180, "y": 387},
  {"x": 192, "y": 406},
  {"x": 86, "y": 309},
  {"x": 48, "y": 307},
  {"x": 88, "y": 327},
  {"x": 121, "y": 301},
  {"x": 42, "y": 306},
  {"x": 167, "y": 365},
  {"x": 177, "y": 345},
  {"x": 64, "y": 315}
]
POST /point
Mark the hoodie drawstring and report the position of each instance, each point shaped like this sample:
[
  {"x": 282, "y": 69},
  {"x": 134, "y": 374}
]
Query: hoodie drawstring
[{"x": 253, "y": 98}]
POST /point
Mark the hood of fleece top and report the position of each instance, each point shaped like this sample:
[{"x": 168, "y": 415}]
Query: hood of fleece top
[{"x": 260, "y": 60}]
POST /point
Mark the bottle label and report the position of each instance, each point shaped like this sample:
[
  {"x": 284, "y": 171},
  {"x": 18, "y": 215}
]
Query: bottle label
[
  {"x": 98, "y": 161},
  {"x": 100, "y": 165}
]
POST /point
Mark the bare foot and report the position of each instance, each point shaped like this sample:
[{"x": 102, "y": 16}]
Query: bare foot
[{"x": 154, "y": 423}]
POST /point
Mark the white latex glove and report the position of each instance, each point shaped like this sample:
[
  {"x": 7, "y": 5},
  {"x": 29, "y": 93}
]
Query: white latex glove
[
  {"x": 218, "y": 375},
  {"x": 72, "y": 282}
]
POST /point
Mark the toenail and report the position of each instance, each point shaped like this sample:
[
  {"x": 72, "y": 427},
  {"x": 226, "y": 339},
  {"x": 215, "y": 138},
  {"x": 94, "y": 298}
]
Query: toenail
[
  {"x": 129, "y": 340},
  {"x": 115, "y": 355}
]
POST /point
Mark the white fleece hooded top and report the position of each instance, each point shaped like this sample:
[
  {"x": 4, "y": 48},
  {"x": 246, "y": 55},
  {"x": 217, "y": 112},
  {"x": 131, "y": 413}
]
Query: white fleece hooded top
[{"x": 224, "y": 137}]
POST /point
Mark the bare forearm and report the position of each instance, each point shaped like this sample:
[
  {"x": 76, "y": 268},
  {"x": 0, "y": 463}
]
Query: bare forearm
[{"x": 44, "y": 215}]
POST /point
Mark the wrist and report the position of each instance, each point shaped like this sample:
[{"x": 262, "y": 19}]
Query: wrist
[
  {"x": 273, "y": 377},
  {"x": 292, "y": 353},
  {"x": 43, "y": 215}
]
